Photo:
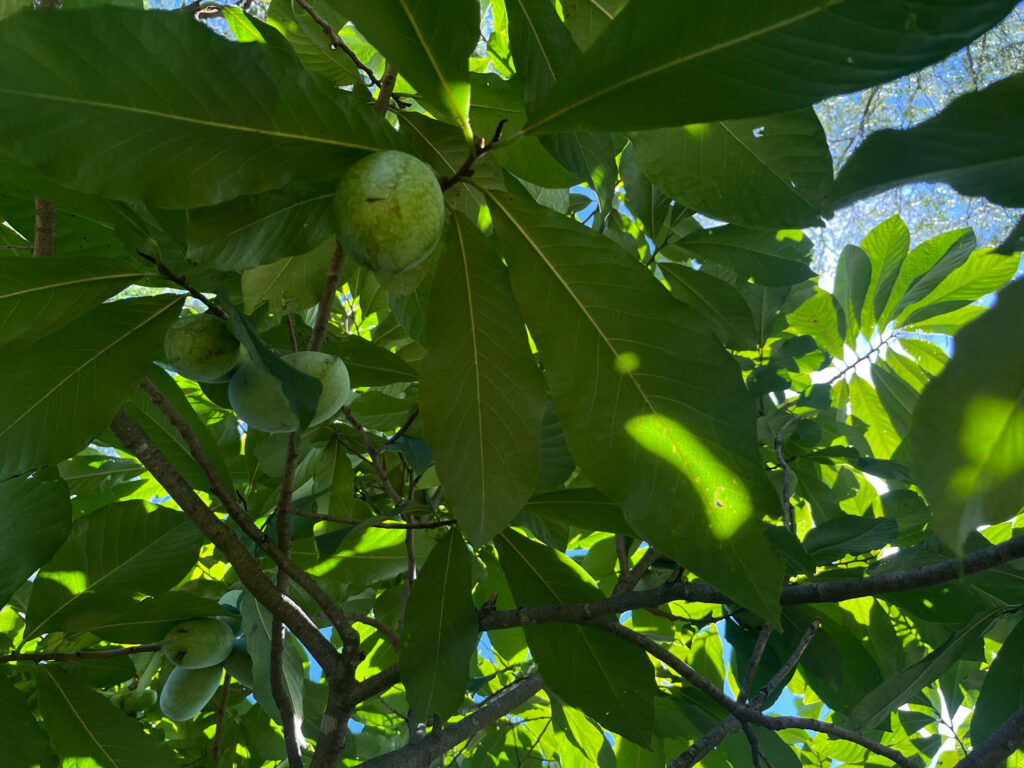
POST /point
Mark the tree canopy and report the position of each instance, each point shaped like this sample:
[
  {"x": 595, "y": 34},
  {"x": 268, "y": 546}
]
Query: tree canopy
[{"x": 607, "y": 478}]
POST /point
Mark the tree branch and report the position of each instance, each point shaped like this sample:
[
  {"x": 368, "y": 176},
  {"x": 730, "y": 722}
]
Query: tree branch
[
  {"x": 481, "y": 148},
  {"x": 439, "y": 741},
  {"x": 369, "y": 522},
  {"x": 182, "y": 282},
  {"x": 1004, "y": 740},
  {"x": 387, "y": 87},
  {"x": 105, "y": 653},
  {"x": 138, "y": 443},
  {"x": 220, "y": 490},
  {"x": 819, "y": 592},
  {"x": 292, "y": 734},
  {"x": 336, "y": 42},
  {"x": 46, "y": 215},
  {"x": 323, "y": 310},
  {"x": 744, "y": 713}
]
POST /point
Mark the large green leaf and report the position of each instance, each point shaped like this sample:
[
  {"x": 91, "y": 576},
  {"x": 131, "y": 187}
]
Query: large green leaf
[
  {"x": 1002, "y": 692},
  {"x": 975, "y": 145},
  {"x": 369, "y": 365},
  {"x": 174, "y": 128},
  {"x": 35, "y": 519},
  {"x": 481, "y": 395},
  {"x": 585, "y": 508},
  {"x": 875, "y": 708},
  {"x": 982, "y": 273},
  {"x": 38, "y": 296},
  {"x": 113, "y": 554},
  {"x": 654, "y": 409},
  {"x": 257, "y": 626},
  {"x": 769, "y": 258},
  {"x": 25, "y": 744},
  {"x": 848, "y": 535},
  {"x": 440, "y": 632},
  {"x": 85, "y": 727},
  {"x": 543, "y": 49},
  {"x": 968, "y": 428},
  {"x": 886, "y": 246},
  {"x": 256, "y": 229},
  {"x": 608, "y": 678},
  {"x": 98, "y": 360},
  {"x": 149, "y": 620},
  {"x": 429, "y": 42},
  {"x": 773, "y": 171},
  {"x": 654, "y": 67},
  {"x": 924, "y": 268}
]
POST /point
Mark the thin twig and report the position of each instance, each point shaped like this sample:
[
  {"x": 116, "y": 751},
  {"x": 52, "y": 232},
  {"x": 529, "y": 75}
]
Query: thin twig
[
  {"x": 404, "y": 428},
  {"x": 377, "y": 624},
  {"x": 755, "y": 662},
  {"x": 369, "y": 522},
  {"x": 218, "y": 729},
  {"x": 336, "y": 42},
  {"x": 622, "y": 555},
  {"x": 45, "y": 229},
  {"x": 15, "y": 247},
  {"x": 183, "y": 283},
  {"x": 105, "y": 653},
  {"x": 292, "y": 338},
  {"x": 630, "y": 578},
  {"x": 374, "y": 454},
  {"x": 323, "y": 310},
  {"x": 787, "y": 477},
  {"x": 481, "y": 148}
]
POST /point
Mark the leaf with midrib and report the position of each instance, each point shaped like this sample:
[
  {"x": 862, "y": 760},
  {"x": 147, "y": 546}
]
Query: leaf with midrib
[
  {"x": 481, "y": 395},
  {"x": 174, "y": 128},
  {"x": 38, "y": 296},
  {"x": 749, "y": 57},
  {"x": 608, "y": 678},
  {"x": 654, "y": 408},
  {"x": 82, "y": 724},
  {"x": 121, "y": 550},
  {"x": 61, "y": 394},
  {"x": 898, "y": 689},
  {"x": 440, "y": 632}
]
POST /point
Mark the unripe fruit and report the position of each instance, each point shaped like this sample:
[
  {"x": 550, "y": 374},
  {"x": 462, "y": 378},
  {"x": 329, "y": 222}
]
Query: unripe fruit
[
  {"x": 138, "y": 700},
  {"x": 258, "y": 399},
  {"x": 198, "y": 643},
  {"x": 202, "y": 348},
  {"x": 389, "y": 211},
  {"x": 187, "y": 691}
]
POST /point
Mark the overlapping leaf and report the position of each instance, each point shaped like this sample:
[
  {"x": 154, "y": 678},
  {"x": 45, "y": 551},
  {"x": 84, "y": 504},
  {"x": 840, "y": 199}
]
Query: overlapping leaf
[
  {"x": 481, "y": 395},
  {"x": 653, "y": 407},
  {"x": 609, "y": 679},
  {"x": 86, "y": 729},
  {"x": 968, "y": 429},
  {"x": 41, "y": 295},
  {"x": 175, "y": 128},
  {"x": 748, "y": 57},
  {"x": 975, "y": 145},
  {"x": 440, "y": 631},
  {"x": 111, "y": 556},
  {"x": 769, "y": 258},
  {"x": 429, "y": 42},
  {"x": 773, "y": 171},
  {"x": 41, "y": 498},
  {"x": 59, "y": 395}
]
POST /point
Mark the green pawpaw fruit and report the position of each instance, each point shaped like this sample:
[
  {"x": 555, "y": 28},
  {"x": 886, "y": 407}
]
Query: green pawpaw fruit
[
  {"x": 198, "y": 643},
  {"x": 187, "y": 691}
]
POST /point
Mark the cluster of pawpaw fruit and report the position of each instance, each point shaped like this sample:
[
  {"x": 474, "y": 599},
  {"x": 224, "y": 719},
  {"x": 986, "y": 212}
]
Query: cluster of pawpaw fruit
[{"x": 203, "y": 348}]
